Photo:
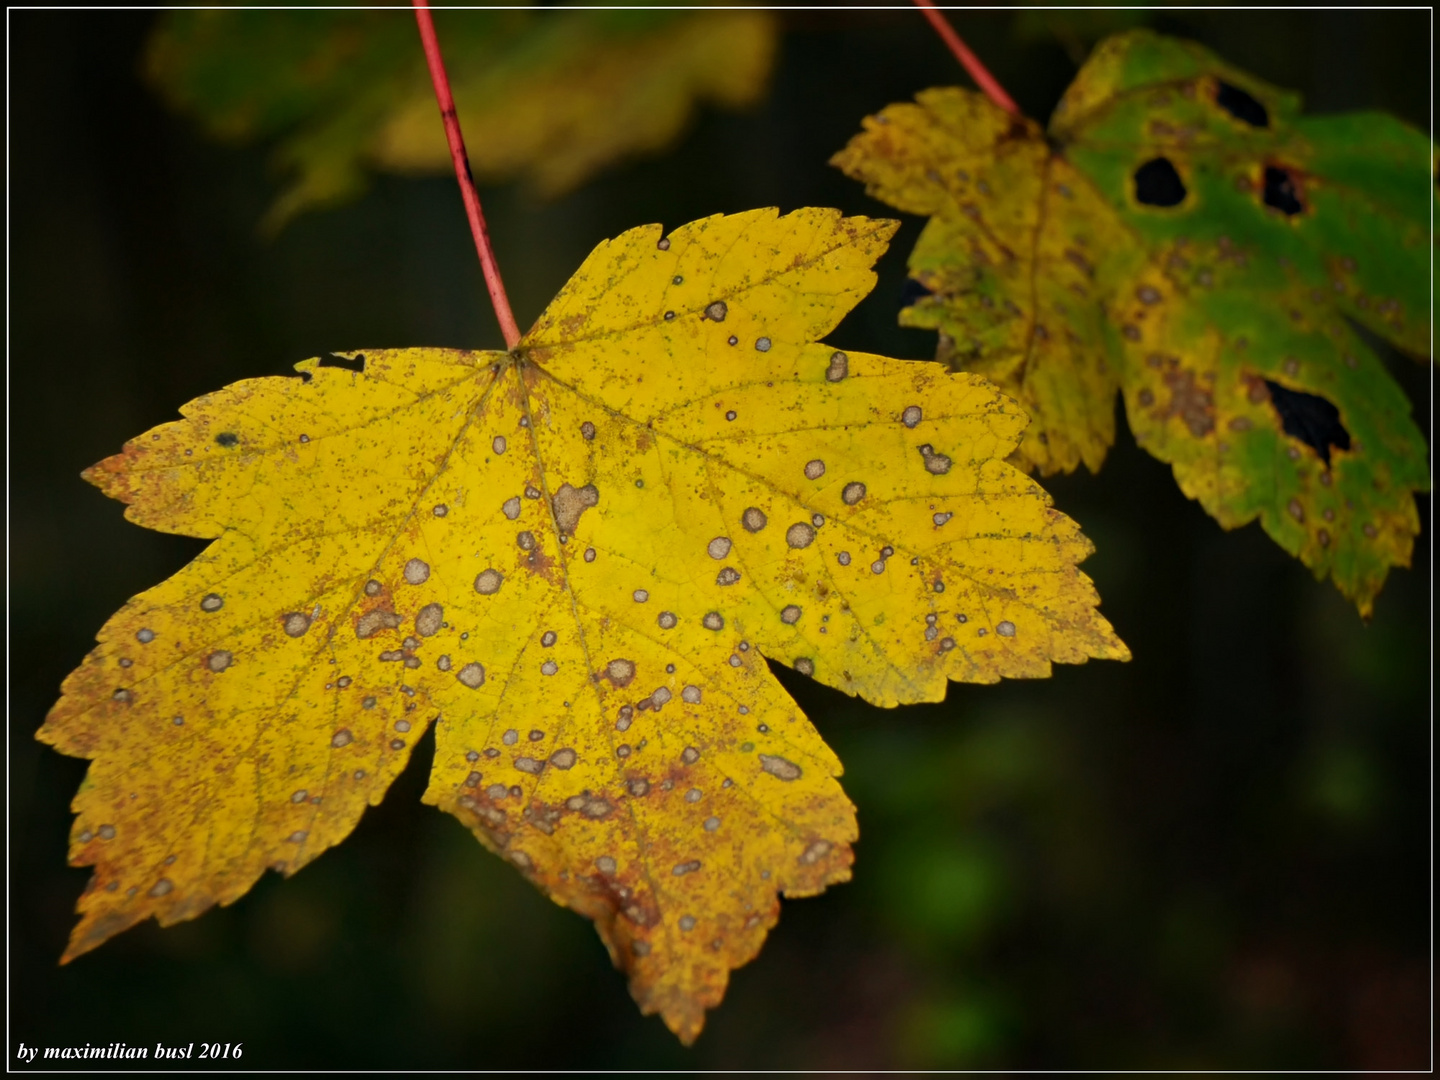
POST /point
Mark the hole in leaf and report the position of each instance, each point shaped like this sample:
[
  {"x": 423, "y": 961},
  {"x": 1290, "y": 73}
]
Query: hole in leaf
[
  {"x": 227, "y": 439},
  {"x": 912, "y": 291},
  {"x": 1157, "y": 183},
  {"x": 1310, "y": 418},
  {"x": 1241, "y": 105},
  {"x": 1281, "y": 191},
  {"x": 357, "y": 364}
]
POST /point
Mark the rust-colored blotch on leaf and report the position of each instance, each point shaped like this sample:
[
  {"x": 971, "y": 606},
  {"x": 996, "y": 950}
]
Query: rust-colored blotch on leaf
[{"x": 574, "y": 561}]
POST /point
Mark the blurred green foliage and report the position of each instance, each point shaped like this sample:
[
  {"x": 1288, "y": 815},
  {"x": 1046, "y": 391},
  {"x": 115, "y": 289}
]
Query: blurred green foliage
[
  {"x": 1216, "y": 856},
  {"x": 554, "y": 96}
]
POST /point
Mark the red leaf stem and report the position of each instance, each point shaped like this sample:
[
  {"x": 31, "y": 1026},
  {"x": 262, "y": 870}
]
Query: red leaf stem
[
  {"x": 462, "y": 173},
  {"x": 971, "y": 63}
]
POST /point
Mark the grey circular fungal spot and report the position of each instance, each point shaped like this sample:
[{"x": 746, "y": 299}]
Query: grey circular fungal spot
[
  {"x": 694, "y": 795},
  {"x": 790, "y": 615},
  {"x": 878, "y": 566},
  {"x": 843, "y": 558},
  {"x": 498, "y": 444},
  {"x": 941, "y": 519},
  {"x": 526, "y": 540},
  {"x": 429, "y": 619},
  {"x": 220, "y": 659},
  {"x": 716, "y": 311},
  {"x": 587, "y": 431},
  {"x": 164, "y": 885},
  {"x": 667, "y": 620},
  {"x": 853, "y": 492},
  {"x": 779, "y": 767},
  {"x": 687, "y": 922},
  {"x": 805, "y": 666},
  {"x": 669, "y": 315},
  {"x": 663, "y": 243},
  {"x": 661, "y": 696},
  {"x": 839, "y": 367},
  {"x": 620, "y": 671},
  {"x": 440, "y": 510},
  {"x": 711, "y": 824},
  {"x": 677, "y": 280},
  {"x": 548, "y": 638},
  {"x": 800, "y": 535},
  {"x": 753, "y": 519},
  {"x": 814, "y": 469},
  {"x": 511, "y": 507},
  {"x": 443, "y": 663},
  {"x": 690, "y": 695},
  {"x": 296, "y": 623},
  {"x": 731, "y": 415},
  {"x": 564, "y": 758},
  {"x": 640, "y": 596},
  {"x": 373, "y": 587},
  {"x": 713, "y": 620},
  {"x": 511, "y": 737},
  {"x": 690, "y": 755},
  {"x": 416, "y": 572},
  {"x": 911, "y": 416},
  {"x": 549, "y": 667},
  {"x": 107, "y": 832},
  {"x": 367, "y": 703},
  {"x": 719, "y": 547},
  {"x": 341, "y": 738},
  {"x": 471, "y": 675},
  {"x": 728, "y": 576},
  {"x": 606, "y": 865},
  {"x": 402, "y": 725},
  {"x": 732, "y": 340},
  {"x": 1005, "y": 628},
  {"x": 211, "y": 602},
  {"x": 145, "y": 636},
  {"x": 589, "y": 554},
  {"x": 487, "y": 582},
  {"x": 934, "y": 462},
  {"x": 762, "y": 344}
]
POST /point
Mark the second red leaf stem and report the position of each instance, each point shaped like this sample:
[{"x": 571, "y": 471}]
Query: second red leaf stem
[
  {"x": 968, "y": 60},
  {"x": 468, "y": 193}
]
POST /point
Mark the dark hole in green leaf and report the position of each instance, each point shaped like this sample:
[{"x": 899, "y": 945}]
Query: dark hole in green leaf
[
  {"x": 1241, "y": 105},
  {"x": 913, "y": 290},
  {"x": 356, "y": 365},
  {"x": 1157, "y": 183},
  {"x": 227, "y": 439},
  {"x": 1280, "y": 191},
  {"x": 1309, "y": 418}
]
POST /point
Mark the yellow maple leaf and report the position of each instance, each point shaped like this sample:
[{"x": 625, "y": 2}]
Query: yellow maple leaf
[{"x": 573, "y": 559}]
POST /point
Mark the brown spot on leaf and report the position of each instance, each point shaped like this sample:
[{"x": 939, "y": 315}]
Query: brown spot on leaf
[{"x": 569, "y": 503}]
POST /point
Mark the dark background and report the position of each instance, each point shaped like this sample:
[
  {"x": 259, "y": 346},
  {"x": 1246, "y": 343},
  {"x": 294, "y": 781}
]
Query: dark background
[{"x": 1216, "y": 856}]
